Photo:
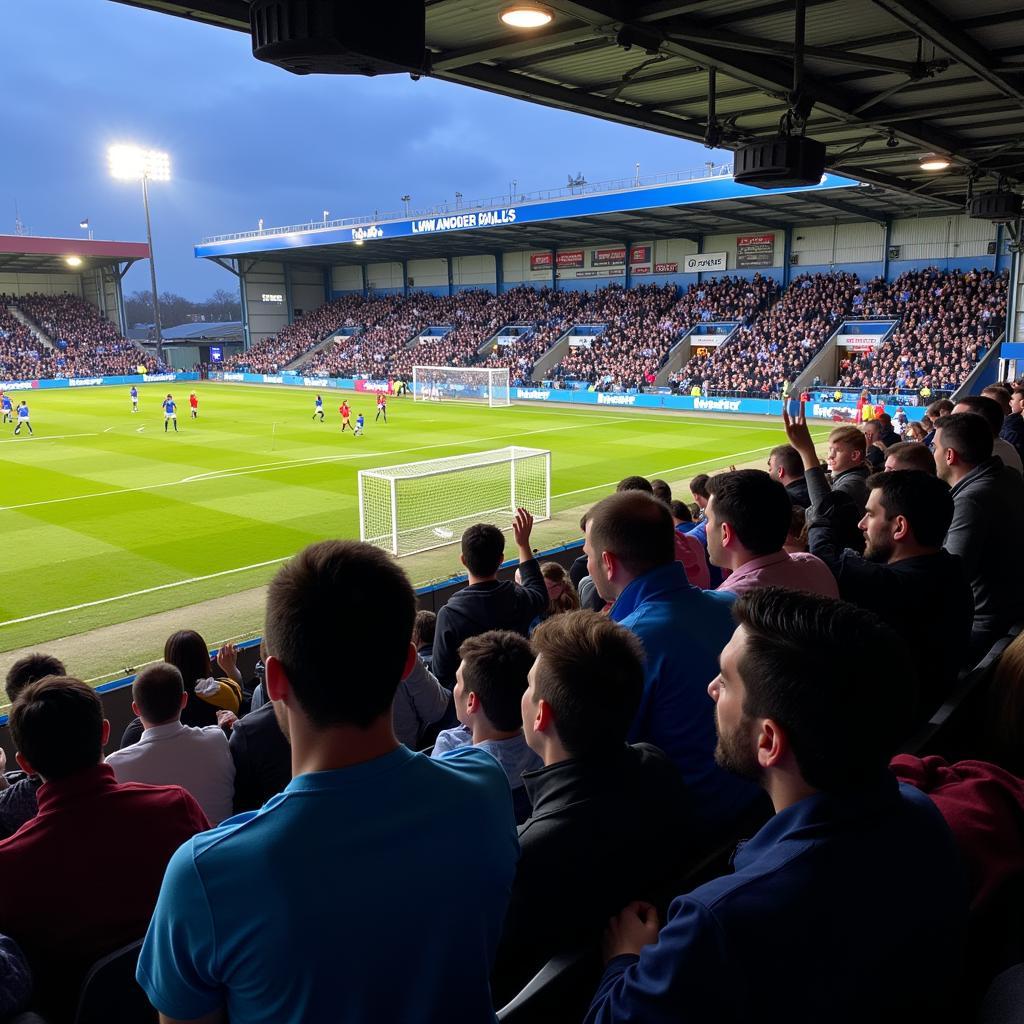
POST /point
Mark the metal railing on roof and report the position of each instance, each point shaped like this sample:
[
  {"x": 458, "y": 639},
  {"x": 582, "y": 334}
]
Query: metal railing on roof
[{"x": 584, "y": 188}]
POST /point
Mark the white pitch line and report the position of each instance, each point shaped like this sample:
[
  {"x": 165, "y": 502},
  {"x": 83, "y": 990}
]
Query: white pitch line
[
  {"x": 139, "y": 593},
  {"x": 45, "y": 437}
]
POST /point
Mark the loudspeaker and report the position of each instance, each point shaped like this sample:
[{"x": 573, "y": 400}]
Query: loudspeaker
[
  {"x": 327, "y": 37},
  {"x": 786, "y": 161},
  {"x": 998, "y": 207}
]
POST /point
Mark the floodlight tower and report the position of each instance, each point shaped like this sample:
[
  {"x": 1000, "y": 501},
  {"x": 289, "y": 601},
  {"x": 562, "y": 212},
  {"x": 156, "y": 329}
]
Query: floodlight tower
[{"x": 132, "y": 163}]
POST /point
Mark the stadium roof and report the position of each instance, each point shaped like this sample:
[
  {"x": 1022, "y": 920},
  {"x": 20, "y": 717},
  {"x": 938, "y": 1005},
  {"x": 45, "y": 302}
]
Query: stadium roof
[
  {"x": 30, "y": 254},
  {"x": 891, "y": 80},
  {"x": 193, "y": 332}
]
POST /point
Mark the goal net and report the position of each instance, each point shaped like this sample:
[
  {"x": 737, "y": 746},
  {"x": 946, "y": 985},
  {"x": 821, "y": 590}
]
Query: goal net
[
  {"x": 461, "y": 383},
  {"x": 422, "y": 505}
]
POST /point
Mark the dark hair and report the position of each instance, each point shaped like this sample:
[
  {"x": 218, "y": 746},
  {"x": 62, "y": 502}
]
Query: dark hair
[
  {"x": 57, "y": 726},
  {"x": 494, "y": 667},
  {"x": 968, "y": 434},
  {"x": 483, "y": 548},
  {"x": 699, "y": 485},
  {"x": 756, "y": 507},
  {"x": 912, "y": 455},
  {"x": 636, "y": 528},
  {"x": 661, "y": 490},
  {"x": 186, "y": 650},
  {"x": 592, "y": 675},
  {"x": 941, "y": 407},
  {"x": 344, "y": 659},
  {"x": 843, "y": 724},
  {"x": 922, "y": 499},
  {"x": 635, "y": 483},
  {"x": 789, "y": 459},
  {"x": 988, "y": 408},
  {"x": 30, "y": 669},
  {"x": 681, "y": 511},
  {"x": 157, "y": 691},
  {"x": 999, "y": 395},
  {"x": 424, "y": 626}
]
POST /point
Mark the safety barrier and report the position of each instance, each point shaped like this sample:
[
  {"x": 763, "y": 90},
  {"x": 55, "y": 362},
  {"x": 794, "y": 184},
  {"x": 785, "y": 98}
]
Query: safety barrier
[{"x": 94, "y": 382}]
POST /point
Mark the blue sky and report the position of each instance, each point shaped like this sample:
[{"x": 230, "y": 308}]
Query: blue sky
[{"x": 248, "y": 140}]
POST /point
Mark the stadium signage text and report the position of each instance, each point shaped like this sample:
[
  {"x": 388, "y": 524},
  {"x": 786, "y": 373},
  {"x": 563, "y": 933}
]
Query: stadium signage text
[
  {"x": 84, "y": 382},
  {"x": 374, "y": 386},
  {"x": 706, "y": 261},
  {"x": 151, "y": 377},
  {"x": 666, "y": 268},
  {"x": 608, "y": 399},
  {"x": 571, "y": 259},
  {"x": 461, "y": 221},
  {"x": 640, "y": 254},
  {"x": 366, "y": 234},
  {"x": 537, "y": 394},
  {"x": 272, "y": 297},
  {"x": 755, "y": 250},
  {"x": 18, "y": 385},
  {"x": 541, "y": 260},
  {"x": 607, "y": 257},
  {"x": 717, "y": 404}
]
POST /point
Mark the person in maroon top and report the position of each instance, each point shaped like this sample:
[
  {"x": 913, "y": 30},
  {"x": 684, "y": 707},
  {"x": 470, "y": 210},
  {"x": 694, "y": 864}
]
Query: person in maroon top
[{"x": 82, "y": 877}]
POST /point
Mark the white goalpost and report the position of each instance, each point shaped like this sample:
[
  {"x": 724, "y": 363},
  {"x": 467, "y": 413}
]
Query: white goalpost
[
  {"x": 461, "y": 383},
  {"x": 422, "y": 505}
]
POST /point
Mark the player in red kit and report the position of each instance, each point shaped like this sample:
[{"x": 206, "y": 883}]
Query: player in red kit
[
  {"x": 193, "y": 402},
  {"x": 382, "y": 406},
  {"x": 346, "y": 412}
]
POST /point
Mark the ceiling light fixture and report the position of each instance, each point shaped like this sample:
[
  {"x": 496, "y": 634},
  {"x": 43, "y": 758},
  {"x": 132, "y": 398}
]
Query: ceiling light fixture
[
  {"x": 934, "y": 162},
  {"x": 527, "y": 16},
  {"x": 73, "y": 261}
]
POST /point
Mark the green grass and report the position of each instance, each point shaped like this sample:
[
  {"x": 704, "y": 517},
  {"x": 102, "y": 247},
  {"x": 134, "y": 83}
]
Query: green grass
[{"x": 101, "y": 503}]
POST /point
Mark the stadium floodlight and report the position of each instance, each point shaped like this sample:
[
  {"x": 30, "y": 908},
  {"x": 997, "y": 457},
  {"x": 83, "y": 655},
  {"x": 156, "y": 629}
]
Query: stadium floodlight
[
  {"x": 133, "y": 163},
  {"x": 461, "y": 383},
  {"x": 423, "y": 505},
  {"x": 526, "y": 15},
  {"x": 934, "y": 162},
  {"x": 73, "y": 261}
]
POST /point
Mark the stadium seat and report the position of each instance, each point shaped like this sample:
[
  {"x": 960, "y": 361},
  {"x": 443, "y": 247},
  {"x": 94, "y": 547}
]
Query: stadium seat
[
  {"x": 560, "y": 991},
  {"x": 110, "y": 994}
]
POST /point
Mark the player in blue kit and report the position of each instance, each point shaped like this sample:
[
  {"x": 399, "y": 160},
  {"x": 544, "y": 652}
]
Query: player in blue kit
[
  {"x": 7, "y": 408},
  {"x": 170, "y": 413},
  {"x": 318, "y": 408},
  {"x": 359, "y": 424},
  {"x": 135, "y": 398},
  {"x": 23, "y": 420}
]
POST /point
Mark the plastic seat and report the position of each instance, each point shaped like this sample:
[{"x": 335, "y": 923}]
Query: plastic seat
[{"x": 110, "y": 993}]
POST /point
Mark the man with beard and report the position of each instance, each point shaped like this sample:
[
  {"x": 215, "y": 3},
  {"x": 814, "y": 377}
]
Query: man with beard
[
  {"x": 338, "y": 858},
  {"x": 850, "y": 903}
]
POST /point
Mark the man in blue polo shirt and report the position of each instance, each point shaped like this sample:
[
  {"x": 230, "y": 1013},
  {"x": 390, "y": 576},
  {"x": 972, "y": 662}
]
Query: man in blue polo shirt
[
  {"x": 850, "y": 904},
  {"x": 374, "y": 887},
  {"x": 630, "y": 546}
]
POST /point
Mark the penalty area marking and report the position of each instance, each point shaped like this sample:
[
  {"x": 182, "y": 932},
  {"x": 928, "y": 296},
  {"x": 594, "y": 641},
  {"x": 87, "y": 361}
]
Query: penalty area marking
[{"x": 44, "y": 437}]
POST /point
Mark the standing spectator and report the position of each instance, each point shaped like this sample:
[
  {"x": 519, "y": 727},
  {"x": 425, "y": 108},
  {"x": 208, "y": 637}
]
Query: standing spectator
[
  {"x": 341, "y": 932},
  {"x": 785, "y": 466},
  {"x": 630, "y": 548},
  {"x": 988, "y": 521},
  {"x": 172, "y": 754},
  {"x": 92, "y": 835},
  {"x": 487, "y": 603},
  {"x": 420, "y": 702},
  {"x": 855, "y": 877}
]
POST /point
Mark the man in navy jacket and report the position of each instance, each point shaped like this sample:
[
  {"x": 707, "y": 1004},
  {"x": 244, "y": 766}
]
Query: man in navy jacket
[{"x": 849, "y": 905}]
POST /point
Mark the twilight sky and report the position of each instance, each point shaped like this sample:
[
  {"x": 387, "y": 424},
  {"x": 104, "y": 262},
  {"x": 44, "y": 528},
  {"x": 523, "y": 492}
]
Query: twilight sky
[{"x": 248, "y": 140}]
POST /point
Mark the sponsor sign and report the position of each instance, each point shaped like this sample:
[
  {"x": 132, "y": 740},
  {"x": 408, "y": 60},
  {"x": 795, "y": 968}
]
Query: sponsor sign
[
  {"x": 374, "y": 386},
  {"x": 717, "y": 404},
  {"x": 606, "y": 398},
  {"x": 541, "y": 260},
  {"x": 861, "y": 343},
  {"x": 755, "y": 250},
  {"x": 84, "y": 382},
  {"x": 367, "y": 233},
  {"x": 666, "y": 268},
  {"x": 159, "y": 376},
  {"x": 535, "y": 394},
  {"x": 462, "y": 221},
  {"x": 571, "y": 259},
  {"x": 705, "y": 261},
  {"x": 313, "y": 382},
  {"x": 612, "y": 272},
  {"x": 19, "y": 385},
  {"x": 272, "y": 380},
  {"x": 216, "y": 353},
  {"x": 272, "y": 297},
  {"x": 234, "y": 376},
  {"x": 641, "y": 270},
  {"x": 608, "y": 257},
  {"x": 640, "y": 254}
]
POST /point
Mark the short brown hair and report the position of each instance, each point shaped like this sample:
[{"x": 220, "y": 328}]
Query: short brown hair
[
  {"x": 999, "y": 395},
  {"x": 424, "y": 627},
  {"x": 912, "y": 455},
  {"x": 57, "y": 726},
  {"x": 852, "y": 436},
  {"x": 940, "y": 407},
  {"x": 789, "y": 459},
  {"x": 591, "y": 674},
  {"x": 662, "y": 491},
  {"x": 339, "y": 619},
  {"x": 31, "y": 669},
  {"x": 495, "y": 665},
  {"x": 968, "y": 434},
  {"x": 636, "y": 528},
  {"x": 157, "y": 691},
  {"x": 699, "y": 485}
]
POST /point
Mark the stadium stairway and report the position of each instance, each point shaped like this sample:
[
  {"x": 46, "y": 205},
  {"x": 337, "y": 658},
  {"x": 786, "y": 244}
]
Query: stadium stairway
[
  {"x": 983, "y": 374},
  {"x": 304, "y": 357},
  {"x": 554, "y": 355},
  {"x": 37, "y": 332}
]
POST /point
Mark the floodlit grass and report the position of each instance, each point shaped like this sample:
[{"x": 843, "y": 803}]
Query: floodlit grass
[{"x": 103, "y": 506}]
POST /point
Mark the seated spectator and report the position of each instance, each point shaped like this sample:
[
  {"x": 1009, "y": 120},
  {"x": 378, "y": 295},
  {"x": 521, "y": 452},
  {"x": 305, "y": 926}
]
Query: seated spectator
[
  {"x": 748, "y": 521},
  {"x": 423, "y": 635},
  {"x": 942, "y": 407},
  {"x": 420, "y": 702},
  {"x": 585, "y": 688},
  {"x": 853, "y": 891},
  {"x": 796, "y": 539},
  {"x": 262, "y": 758},
  {"x": 631, "y": 551},
  {"x": 18, "y": 801},
  {"x": 662, "y": 491},
  {"x": 186, "y": 650},
  {"x": 682, "y": 517},
  {"x": 1013, "y": 424},
  {"x": 988, "y": 522},
  {"x": 988, "y": 409},
  {"x": 489, "y": 688},
  {"x": 785, "y": 466},
  {"x": 92, "y": 835},
  {"x": 888, "y": 436},
  {"x": 562, "y": 596},
  {"x": 488, "y": 603},
  {"x": 348, "y": 927},
  {"x": 874, "y": 454},
  {"x": 918, "y": 432},
  {"x": 910, "y": 455},
  {"x": 172, "y": 754},
  {"x": 699, "y": 490}
]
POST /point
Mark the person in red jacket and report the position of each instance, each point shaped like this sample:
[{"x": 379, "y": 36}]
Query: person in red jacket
[{"x": 82, "y": 876}]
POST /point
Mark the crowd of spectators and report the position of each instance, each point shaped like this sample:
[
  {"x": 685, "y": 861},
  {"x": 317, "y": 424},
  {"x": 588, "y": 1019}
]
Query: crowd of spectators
[
  {"x": 778, "y": 344},
  {"x": 948, "y": 321},
  {"x": 84, "y": 343}
]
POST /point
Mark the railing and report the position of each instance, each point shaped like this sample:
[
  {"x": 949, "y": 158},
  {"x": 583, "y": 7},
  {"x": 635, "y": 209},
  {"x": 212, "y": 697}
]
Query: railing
[{"x": 505, "y": 199}]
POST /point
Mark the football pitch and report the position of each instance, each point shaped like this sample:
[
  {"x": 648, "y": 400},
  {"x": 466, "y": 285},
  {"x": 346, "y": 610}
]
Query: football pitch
[{"x": 105, "y": 518}]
